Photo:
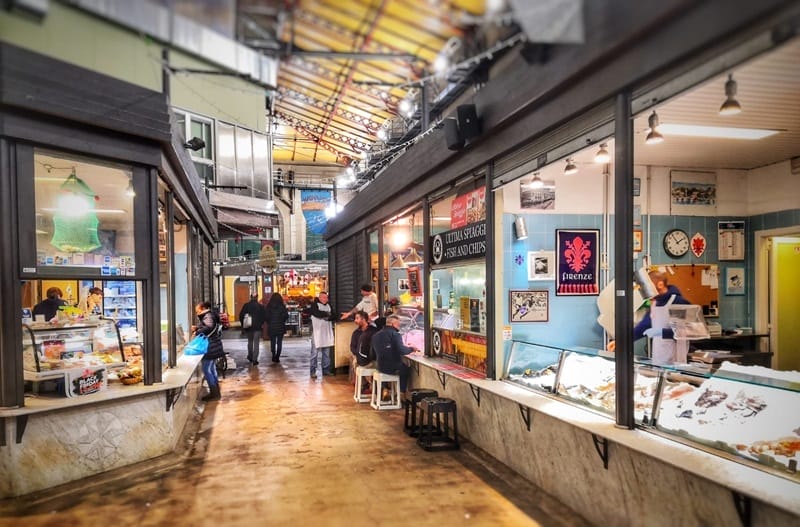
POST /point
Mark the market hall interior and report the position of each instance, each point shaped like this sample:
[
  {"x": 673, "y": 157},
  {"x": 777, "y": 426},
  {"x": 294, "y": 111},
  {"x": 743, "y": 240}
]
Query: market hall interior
[{"x": 282, "y": 449}]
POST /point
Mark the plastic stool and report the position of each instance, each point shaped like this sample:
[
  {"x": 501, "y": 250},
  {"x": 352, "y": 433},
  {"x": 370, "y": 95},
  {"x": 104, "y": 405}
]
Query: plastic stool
[
  {"x": 378, "y": 379},
  {"x": 428, "y": 437},
  {"x": 362, "y": 373},
  {"x": 415, "y": 396}
]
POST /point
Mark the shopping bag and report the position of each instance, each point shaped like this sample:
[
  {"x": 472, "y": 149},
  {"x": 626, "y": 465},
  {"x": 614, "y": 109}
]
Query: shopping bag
[
  {"x": 197, "y": 346},
  {"x": 247, "y": 321}
]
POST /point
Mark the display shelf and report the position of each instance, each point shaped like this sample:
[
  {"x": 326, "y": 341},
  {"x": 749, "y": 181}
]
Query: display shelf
[
  {"x": 743, "y": 411},
  {"x": 80, "y": 354}
]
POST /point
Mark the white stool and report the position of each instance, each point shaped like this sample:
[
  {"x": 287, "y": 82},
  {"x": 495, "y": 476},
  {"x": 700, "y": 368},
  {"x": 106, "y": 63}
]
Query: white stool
[
  {"x": 362, "y": 373},
  {"x": 393, "y": 403}
]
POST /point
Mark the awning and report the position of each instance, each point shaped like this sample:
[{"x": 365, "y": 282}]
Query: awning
[{"x": 245, "y": 218}]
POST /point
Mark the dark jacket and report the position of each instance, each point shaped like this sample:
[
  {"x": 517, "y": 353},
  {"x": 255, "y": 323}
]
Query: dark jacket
[
  {"x": 361, "y": 345},
  {"x": 314, "y": 311},
  {"x": 276, "y": 315},
  {"x": 257, "y": 314},
  {"x": 48, "y": 307},
  {"x": 387, "y": 344},
  {"x": 659, "y": 300},
  {"x": 210, "y": 326}
]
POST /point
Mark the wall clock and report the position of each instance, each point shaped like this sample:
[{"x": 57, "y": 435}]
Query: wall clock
[{"x": 676, "y": 243}]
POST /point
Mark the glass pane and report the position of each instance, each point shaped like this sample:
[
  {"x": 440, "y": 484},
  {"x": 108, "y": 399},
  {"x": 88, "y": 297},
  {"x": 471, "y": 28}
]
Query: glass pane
[
  {"x": 84, "y": 214},
  {"x": 203, "y": 131}
]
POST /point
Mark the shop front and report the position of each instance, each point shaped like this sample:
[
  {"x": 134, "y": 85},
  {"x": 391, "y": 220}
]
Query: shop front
[
  {"x": 107, "y": 240},
  {"x": 535, "y": 343}
]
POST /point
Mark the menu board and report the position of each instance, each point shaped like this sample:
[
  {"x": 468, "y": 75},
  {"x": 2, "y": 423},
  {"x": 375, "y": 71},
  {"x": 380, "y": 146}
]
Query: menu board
[
  {"x": 414, "y": 281},
  {"x": 731, "y": 240}
]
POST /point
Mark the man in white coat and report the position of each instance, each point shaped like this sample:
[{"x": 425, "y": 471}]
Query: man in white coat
[{"x": 322, "y": 315}]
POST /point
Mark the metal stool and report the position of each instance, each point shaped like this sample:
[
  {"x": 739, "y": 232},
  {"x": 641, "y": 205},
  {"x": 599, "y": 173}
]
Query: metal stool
[
  {"x": 415, "y": 396},
  {"x": 428, "y": 437}
]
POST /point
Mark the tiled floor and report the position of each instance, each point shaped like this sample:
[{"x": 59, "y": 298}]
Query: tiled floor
[{"x": 283, "y": 449}]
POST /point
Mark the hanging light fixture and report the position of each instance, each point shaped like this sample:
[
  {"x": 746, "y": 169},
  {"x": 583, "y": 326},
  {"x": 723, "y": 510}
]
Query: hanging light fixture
[
  {"x": 536, "y": 182},
  {"x": 602, "y": 156},
  {"x": 731, "y": 106},
  {"x": 571, "y": 167},
  {"x": 129, "y": 191},
  {"x": 520, "y": 229},
  {"x": 413, "y": 257},
  {"x": 398, "y": 263},
  {"x": 653, "y": 136}
]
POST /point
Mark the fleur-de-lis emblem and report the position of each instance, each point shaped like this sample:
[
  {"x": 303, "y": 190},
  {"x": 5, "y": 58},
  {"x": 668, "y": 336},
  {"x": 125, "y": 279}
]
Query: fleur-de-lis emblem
[
  {"x": 518, "y": 259},
  {"x": 578, "y": 253}
]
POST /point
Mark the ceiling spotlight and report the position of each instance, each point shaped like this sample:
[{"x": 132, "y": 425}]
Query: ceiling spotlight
[
  {"x": 731, "y": 106},
  {"x": 520, "y": 229},
  {"x": 350, "y": 171},
  {"x": 571, "y": 167},
  {"x": 382, "y": 135},
  {"x": 195, "y": 143},
  {"x": 405, "y": 105},
  {"x": 602, "y": 156},
  {"x": 653, "y": 136},
  {"x": 440, "y": 64},
  {"x": 536, "y": 182}
]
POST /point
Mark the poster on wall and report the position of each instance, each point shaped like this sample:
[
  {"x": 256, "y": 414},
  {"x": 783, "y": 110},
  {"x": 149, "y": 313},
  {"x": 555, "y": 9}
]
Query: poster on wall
[
  {"x": 693, "y": 193},
  {"x": 731, "y": 240},
  {"x": 313, "y": 205},
  {"x": 734, "y": 281},
  {"x": 542, "y": 198},
  {"x": 541, "y": 265},
  {"x": 577, "y": 262},
  {"x": 468, "y": 208}
]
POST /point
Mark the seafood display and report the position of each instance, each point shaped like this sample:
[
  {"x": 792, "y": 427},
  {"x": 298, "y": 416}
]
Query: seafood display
[{"x": 740, "y": 411}]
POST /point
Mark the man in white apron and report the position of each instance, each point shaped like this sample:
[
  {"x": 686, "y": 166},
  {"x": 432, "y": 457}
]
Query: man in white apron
[
  {"x": 322, "y": 341},
  {"x": 655, "y": 323}
]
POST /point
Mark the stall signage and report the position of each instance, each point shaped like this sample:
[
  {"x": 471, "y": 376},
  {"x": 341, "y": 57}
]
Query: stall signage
[
  {"x": 414, "y": 281},
  {"x": 89, "y": 381},
  {"x": 459, "y": 244}
]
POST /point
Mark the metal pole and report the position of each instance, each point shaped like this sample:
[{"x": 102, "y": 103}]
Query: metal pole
[{"x": 623, "y": 259}]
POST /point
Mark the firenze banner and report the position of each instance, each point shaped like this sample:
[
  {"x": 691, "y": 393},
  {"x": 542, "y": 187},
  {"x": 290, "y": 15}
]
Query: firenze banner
[{"x": 578, "y": 262}]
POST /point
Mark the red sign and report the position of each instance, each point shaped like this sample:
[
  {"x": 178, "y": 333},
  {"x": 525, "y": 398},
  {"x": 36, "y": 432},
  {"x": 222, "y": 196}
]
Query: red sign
[{"x": 468, "y": 208}]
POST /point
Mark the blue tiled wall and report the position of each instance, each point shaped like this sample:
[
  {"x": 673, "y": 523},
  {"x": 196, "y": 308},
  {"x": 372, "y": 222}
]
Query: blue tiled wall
[{"x": 573, "y": 320}]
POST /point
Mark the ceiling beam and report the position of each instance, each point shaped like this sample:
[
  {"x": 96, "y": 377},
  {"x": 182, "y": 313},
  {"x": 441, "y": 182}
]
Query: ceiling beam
[{"x": 353, "y": 55}]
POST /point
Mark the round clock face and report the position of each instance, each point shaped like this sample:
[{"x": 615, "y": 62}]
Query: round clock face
[{"x": 676, "y": 243}]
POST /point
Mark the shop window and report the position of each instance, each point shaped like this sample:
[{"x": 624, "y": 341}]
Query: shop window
[
  {"x": 84, "y": 214},
  {"x": 458, "y": 278}
]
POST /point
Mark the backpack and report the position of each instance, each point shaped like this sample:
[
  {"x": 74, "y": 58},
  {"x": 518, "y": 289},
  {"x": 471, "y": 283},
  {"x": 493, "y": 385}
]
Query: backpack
[{"x": 247, "y": 321}]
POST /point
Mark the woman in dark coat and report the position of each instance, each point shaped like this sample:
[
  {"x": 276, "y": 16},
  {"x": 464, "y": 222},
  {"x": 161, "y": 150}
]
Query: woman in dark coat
[
  {"x": 276, "y": 315},
  {"x": 209, "y": 325}
]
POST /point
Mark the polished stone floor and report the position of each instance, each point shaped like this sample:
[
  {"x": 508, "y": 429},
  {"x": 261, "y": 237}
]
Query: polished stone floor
[{"x": 281, "y": 448}]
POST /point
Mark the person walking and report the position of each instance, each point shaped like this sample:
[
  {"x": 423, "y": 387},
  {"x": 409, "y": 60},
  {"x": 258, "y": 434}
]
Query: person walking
[
  {"x": 322, "y": 315},
  {"x": 276, "y": 316},
  {"x": 252, "y": 318},
  {"x": 209, "y": 325}
]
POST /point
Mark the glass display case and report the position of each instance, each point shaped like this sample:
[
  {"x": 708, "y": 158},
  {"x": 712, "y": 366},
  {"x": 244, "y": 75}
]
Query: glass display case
[
  {"x": 747, "y": 411},
  {"x": 79, "y": 352}
]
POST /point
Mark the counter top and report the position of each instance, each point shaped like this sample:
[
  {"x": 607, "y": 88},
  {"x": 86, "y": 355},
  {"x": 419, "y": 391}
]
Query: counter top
[
  {"x": 172, "y": 378},
  {"x": 759, "y": 484}
]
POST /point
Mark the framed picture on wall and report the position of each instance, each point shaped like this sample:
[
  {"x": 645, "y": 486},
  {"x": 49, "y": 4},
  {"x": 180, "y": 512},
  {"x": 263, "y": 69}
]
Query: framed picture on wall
[
  {"x": 637, "y": 240},
  {"x": 541, "y": 265},
  {"x": 528, "y": 306},
  {"x": 734, "y": 281},
  {"x": 402, "y": 284}
]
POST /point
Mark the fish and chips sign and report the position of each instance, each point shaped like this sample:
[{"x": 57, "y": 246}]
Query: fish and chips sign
[{"x": 464, "y": 243}]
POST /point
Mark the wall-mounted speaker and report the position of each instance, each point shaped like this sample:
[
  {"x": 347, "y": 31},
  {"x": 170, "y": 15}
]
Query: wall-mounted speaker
[
  {"x": 468, "y": 123},
  {"x": 451, "y": 134}
]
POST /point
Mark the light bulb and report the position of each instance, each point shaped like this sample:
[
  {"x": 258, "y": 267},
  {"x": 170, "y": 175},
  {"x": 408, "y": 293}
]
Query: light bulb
[
  {"x": 571, "y": 167},
  {"x": 653, "y": 136},
  {"x": 731, "y": 106}
]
